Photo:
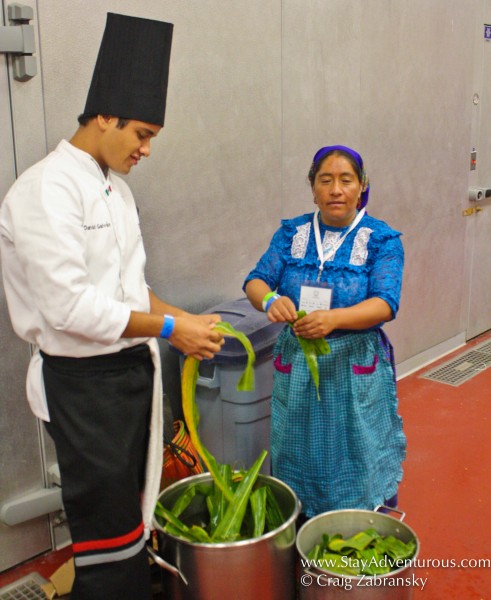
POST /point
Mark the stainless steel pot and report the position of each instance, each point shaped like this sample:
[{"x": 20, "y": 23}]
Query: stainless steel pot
[
  {"x": 262, "y": 567},
  {"x": 321, "y": 584}
]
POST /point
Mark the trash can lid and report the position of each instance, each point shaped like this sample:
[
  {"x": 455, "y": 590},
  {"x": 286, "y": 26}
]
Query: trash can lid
[{"x": 254, "y": 324}]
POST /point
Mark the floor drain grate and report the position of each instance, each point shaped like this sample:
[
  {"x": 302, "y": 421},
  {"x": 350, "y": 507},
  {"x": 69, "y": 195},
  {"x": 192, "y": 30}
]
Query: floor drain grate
[
  {"x": 464, "y": 367},
  {"x": 27, "y": 588},
  {"x": 484, "y": 348}
]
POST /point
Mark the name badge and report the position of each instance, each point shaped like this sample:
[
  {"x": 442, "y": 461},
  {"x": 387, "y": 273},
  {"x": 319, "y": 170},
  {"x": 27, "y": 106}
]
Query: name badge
[{"x": 313, "y": 297}]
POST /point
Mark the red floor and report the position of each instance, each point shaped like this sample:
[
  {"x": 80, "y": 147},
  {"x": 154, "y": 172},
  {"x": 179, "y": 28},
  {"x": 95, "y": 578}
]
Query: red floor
[
  {"x": 45, "y": 565},
  {"x": 446, "y": 491}
]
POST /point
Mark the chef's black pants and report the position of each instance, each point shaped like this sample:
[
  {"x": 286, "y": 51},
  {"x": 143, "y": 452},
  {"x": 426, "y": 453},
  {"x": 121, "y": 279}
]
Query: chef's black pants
[{"x": 99, "y": 420}]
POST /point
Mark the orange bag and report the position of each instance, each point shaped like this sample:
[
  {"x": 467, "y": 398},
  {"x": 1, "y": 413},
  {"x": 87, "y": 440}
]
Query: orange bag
[{"x": 180, "y": 457}]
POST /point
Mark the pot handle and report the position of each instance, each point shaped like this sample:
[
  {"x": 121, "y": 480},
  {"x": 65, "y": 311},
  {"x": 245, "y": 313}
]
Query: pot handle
[
  {"x": 165, "y": 565},
  {"x": 385, "y": 509}
]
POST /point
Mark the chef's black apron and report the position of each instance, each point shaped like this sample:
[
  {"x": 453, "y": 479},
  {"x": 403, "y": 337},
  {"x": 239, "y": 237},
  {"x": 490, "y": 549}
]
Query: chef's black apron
[{"x": 100, "y": 408}]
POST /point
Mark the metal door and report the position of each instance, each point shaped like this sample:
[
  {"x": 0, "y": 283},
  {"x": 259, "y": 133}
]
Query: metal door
[
  {"x": 23, "y": 448},
  {"x": 478, "y": 212}
]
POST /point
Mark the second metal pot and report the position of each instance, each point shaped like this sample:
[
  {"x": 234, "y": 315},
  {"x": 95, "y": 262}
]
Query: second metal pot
[{"x": 321, "y": 584}]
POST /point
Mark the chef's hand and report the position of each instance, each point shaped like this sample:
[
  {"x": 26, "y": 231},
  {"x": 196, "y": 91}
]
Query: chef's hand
[{"x": 195, "y": 335}]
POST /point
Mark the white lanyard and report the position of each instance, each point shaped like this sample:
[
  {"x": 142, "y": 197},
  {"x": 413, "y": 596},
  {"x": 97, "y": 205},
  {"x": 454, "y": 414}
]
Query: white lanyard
[{"x": 332, "y": 251}]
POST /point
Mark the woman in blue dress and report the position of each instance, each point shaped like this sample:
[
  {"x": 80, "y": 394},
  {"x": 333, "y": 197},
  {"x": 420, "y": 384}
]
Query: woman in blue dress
[{"x": 343, "y": 446}]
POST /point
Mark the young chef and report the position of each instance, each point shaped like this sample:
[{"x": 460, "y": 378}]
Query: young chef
[{"x": 73, "y": 267}]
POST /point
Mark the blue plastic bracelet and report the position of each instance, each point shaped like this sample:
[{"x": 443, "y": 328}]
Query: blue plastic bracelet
[
  {"x": 266, "y": 298},
  {"x": 270, "y": 302},
  {"x": 168, "y": 327}
]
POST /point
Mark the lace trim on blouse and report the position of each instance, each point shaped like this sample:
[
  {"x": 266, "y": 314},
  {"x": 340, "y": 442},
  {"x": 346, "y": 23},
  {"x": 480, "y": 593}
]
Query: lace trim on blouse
[
  {"x": 300, "y": 241},
  {"x": 359, "y": 251}
]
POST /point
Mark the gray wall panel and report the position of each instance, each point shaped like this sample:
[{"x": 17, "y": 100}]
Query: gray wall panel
[
  {"x": 254, "y": 90},
  {"x": 214, "y": 176},
  {"x": 382, "y": 76},
  {"x": 321, "y": 74},
  {"x": 420, "y": 156}
]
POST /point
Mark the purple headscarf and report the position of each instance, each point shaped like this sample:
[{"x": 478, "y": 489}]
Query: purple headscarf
[{"x": 320, "y": 154}]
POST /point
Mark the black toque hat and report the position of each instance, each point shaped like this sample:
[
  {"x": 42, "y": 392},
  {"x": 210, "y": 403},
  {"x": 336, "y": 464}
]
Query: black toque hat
[{"x": 132, "y": 70}]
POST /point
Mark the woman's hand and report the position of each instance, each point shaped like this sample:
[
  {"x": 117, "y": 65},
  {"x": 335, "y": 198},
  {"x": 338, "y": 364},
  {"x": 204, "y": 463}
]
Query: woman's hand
[
  {"x": 282, "y": 310},
  {"x": 316, "y": 324},
  {"x": 363, "y": 315}
]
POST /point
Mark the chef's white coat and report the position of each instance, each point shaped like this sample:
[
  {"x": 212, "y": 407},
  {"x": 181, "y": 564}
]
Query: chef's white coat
[{"x": 73, "y": 264}]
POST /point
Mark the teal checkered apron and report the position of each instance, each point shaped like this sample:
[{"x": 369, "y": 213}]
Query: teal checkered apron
[{"x": 346, "y": 449}]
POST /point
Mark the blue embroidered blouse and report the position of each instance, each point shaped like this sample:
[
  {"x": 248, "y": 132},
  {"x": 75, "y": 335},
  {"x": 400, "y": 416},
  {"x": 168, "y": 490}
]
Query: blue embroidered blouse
[{"x": 368, "y": 264}]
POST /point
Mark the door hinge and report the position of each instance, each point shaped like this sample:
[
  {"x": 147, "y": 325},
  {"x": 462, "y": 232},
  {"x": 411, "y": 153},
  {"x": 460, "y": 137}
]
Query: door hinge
[{"x": 18, "y": 40}]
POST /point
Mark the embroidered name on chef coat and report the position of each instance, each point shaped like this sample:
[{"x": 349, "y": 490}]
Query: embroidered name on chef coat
[{"x": 97, "y": 226}]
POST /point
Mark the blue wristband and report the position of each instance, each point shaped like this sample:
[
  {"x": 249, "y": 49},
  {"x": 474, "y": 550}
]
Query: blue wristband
[
  {"x": 168, "y": 327},
  {"x": 270, "y": 302}
]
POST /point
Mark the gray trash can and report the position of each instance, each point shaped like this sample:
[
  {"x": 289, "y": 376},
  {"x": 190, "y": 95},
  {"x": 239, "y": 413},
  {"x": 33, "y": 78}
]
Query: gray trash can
[{"x": 234, "y": 426}]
